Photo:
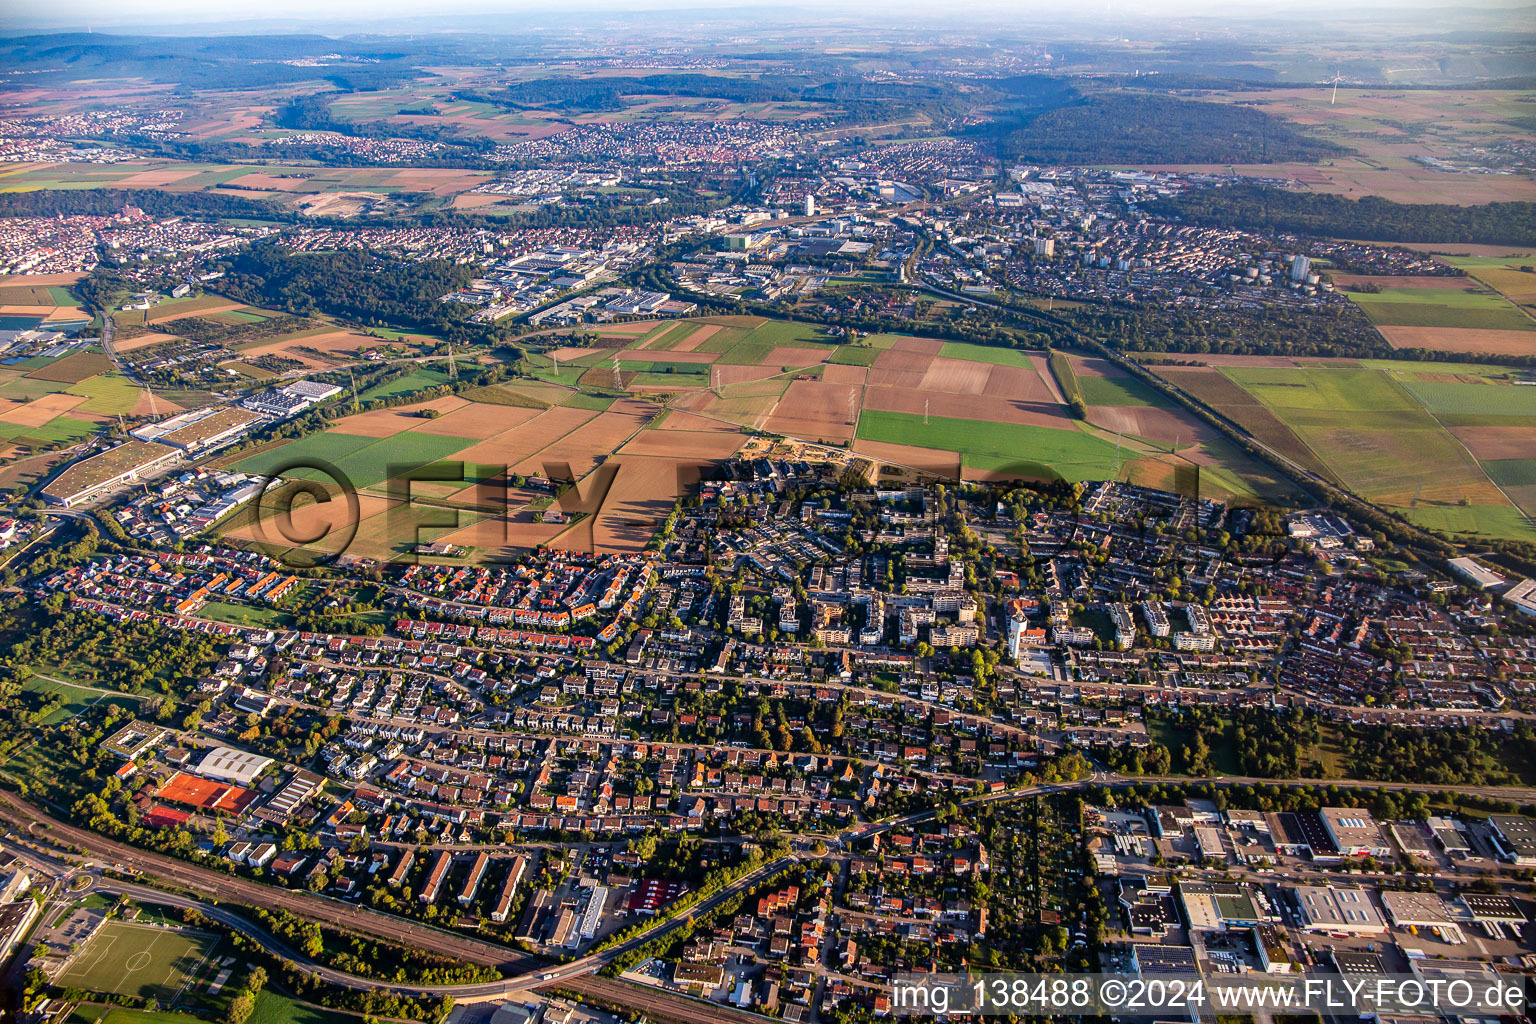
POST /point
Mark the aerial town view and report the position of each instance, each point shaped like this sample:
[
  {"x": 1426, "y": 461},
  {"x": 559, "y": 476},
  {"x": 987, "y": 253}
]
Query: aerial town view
[{"x": 713, "y": 513}]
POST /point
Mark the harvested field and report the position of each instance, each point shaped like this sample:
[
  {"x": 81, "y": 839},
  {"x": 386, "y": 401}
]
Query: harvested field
[
  {"x": 1345, "y": 281},
  {"x": 1208, "y": 385},
  {"x": 815, "y": 410},
  {"x": 1021, "y": 383},
  {"x": 501, "y": 538},
  {"x": 697, "y": 338},
  {"x": 896, "y": 358},
  {"x": 329, "y": 343},
  {"x": 640, "y": 497},
  {"x": 511, "y": 447},
  {"x": 40, "y": 410},
  {"x": 187, "y": 307},
  {"x": 525, "y": 394},
  {"x": 677, "y": 419},
  {"x": 143, "y": 341},
  {"x": 584, "y": 447},
  {"x": 698, "y": 444},
  {"x": 900, "y": 379},
  {"x": 38, "y": 280},
  {"x": 73, "y": 368},
  {"x": 976, "y": 407},
  {"x": 1471, "y": 340},
  {"x": 1494, "y": 443},
  {"x": 1169, "y": 426},
  {"x": 156, "y": 179},
  {"x": 157, "y": 406},
  {"x": 789, "y": 355},
  {"x": 389, "y": 422},
  {"x": 925, "y": 346},
  {"x": 956, "y": 376},
  {"x": 476, "y": 420},
  {"x": 724, "y": 376},
  {"x": 843, "y": 374},
  {"x": 928, "y": 460}
]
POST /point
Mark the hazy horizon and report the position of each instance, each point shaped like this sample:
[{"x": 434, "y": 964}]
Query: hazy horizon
[{"x": 388, "y": 17}]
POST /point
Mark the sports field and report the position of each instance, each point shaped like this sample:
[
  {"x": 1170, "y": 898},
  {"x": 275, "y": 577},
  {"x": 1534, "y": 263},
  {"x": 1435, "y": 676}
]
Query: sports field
[{"x": 143, "y": 961}]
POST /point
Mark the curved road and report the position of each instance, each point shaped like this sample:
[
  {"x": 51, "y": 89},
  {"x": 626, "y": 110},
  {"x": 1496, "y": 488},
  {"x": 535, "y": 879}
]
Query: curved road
[{"x": 522, "y": 971}]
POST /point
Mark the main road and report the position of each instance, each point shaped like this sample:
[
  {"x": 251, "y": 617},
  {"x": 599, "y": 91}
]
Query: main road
[{"x": 522, "y": 971}]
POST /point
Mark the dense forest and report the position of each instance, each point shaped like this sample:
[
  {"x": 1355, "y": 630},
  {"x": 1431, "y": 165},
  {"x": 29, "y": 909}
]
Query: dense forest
[
  {"x": 352, "y": 284},
  {"x": 199, "y": 62},
  {"x": 1262, "y": 744},
  {"x": 1141, "y": 128},
  {"x": 853, "y": 98},
  {"x": 107, "y": 201},
  {"x": 1256, "y": 208}
]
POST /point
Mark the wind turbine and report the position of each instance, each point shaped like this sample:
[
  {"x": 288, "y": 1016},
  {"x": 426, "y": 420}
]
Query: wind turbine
[{"x": 1336, "y": 79}]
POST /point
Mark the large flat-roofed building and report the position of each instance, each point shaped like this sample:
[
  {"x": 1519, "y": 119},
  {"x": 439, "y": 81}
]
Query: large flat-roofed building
[
  {"x": 93, "y": 477},
  {"x": 1337, "y": 911},
  {"x": 1147, "y": 958},
  {"x": 1354, "y": 832},
  {"x": 1449, "y": 836},
  {"x": 1515, "y": 837},
  {"x": 1422, "y": 910},
  {"x": 1212, "y": 906},
  {"x": 217, "y": 427},
  {"x": 230, "y": 765}
]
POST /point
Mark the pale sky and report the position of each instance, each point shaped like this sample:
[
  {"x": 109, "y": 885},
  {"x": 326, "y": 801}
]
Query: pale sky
[{"x": 363, "y": 15}]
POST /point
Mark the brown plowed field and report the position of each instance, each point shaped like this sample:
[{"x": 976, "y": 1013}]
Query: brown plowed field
[
  {"x": 477, "y": 420},
  {"x": 1470, "y": 340},
  {"x": 814, "y": 410},
  {"x": 389, "y": 422},
  {"x": 1488, "y": 443}
]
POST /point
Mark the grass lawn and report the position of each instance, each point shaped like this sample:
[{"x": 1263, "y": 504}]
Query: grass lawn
[
  {"x": 418, "y": 380},
  {"x": 56, "y": 431},
  {"x": 1512, "y": 472},
  {"x": 326, "y": 448},
  {"x": 139, "y": 960},
  {"x": 107, "y": 393},
  {"x": 76, "y": 698},
  {"x": 1458, "y": 397},
  {"x": 998, "y": 446},
  {"x": 274, "y": 1008},
  {"x": 1337, "y": 389},
  {"x": 1482, "y": 520},
  {"x": 392, "y": 456},
  {"x": 1119, "y": 391},
  {"x": 581, "y": 400},
  {"x": 994, "y": 354},
  {"x": 1066, "y": 377},
  {"x": 854, "y": 355},
  {"x": 664, "y": 366},
  {"x": 1420, "y": 307},
  {"x": 245, "y": 614}
]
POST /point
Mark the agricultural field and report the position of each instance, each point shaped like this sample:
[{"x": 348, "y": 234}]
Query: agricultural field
[
  {"x": 995, "y": 447},
  {"x": 1428, "y": 440},
  {"x": 724, "y": 373},
  {"x": 1388, "y": 129},
  {"x": 1461, "y": 309}
]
